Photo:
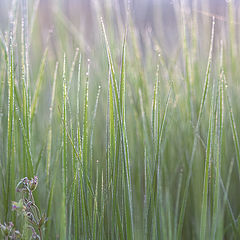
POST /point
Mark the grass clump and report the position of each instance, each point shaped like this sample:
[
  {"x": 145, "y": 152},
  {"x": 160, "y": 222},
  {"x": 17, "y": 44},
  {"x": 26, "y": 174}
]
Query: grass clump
[{"x": 131, "y": 137}]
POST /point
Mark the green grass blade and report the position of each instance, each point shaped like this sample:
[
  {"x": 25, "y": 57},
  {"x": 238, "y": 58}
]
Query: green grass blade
[
  {"x": 49, "y": 143},
  {"x": 38, "y": 85},
  {"x": 204, "y": 207},
  {"x": 203, "y": 100},
  {"x": 64, "y": 155}
]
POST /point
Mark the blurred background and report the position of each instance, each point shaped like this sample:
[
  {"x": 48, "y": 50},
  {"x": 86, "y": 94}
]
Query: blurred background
[{"x": 157, "y": 18}]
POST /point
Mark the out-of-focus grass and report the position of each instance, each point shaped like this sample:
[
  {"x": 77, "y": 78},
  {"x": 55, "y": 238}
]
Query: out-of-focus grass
[{"x": 133, "y": 143}]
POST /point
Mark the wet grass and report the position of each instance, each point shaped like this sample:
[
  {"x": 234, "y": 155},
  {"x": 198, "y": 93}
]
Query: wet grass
[{"x": 124, "y": 146}]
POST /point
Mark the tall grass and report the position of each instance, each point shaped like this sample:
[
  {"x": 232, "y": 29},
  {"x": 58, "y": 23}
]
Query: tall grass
[{"x": 131, "y": 138}]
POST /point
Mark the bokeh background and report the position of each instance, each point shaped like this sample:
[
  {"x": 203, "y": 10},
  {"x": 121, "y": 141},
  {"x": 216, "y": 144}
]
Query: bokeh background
[{"x": 150, "y": 17}]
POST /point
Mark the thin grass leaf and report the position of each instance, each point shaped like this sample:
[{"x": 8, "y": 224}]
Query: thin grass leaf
[
  {"x": 204, "y": 207},
  {"x": 203, "y": 100},
  {"x": 38, "y": 85},
  {"x": 49, "y": 142},
  {"x": 63, "y": 231}
]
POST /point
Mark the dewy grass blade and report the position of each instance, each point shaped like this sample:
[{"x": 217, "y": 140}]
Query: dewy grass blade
[
  {"x": 64, "y": 155},
  {"x": 10, "y": 125},
  {"x": 157, "y": 172},
  {"x": 203, "y": 99},
  {"x": 26, "y": 93},
  {"x": 92, "y": 127},
  {"x": 76, "y": 159},
  {"x": 49, "y": 143},
  {"x": 233, "y": 126},
  {"x": 216, "y": 201},
  {"x": 38, "y": 84},
  {"x": 128, "y": 192},
  {"x": 154, "y": 103},
  {"x": 204, "y": 208},
  {"x": 78, "y": 105},
  {"x": 85, "y": 161},
  {"x": 72, "y": 69},
  {"x": 85, "y": 123}
]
